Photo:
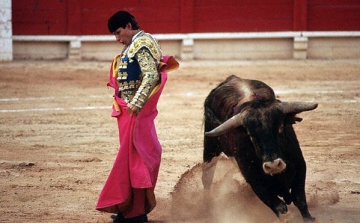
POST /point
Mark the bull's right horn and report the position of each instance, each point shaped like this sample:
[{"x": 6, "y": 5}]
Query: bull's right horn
[
  {"x": 297, "y": 107},
  {"x": 229, "y": 124}
]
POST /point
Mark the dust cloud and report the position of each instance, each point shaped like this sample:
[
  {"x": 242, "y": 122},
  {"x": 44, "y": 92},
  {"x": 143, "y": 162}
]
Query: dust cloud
[{"x": 231, "y": 199}]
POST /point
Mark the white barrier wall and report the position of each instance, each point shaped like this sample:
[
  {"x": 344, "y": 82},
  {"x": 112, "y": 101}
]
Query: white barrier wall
[
  {"x": 200, "y": 46},
  {"x": 6, "y": 46}
]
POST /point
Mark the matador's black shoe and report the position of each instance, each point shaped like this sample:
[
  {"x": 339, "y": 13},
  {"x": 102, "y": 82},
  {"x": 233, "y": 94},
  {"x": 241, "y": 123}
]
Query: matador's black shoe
[{"x": 119, "y": 218}]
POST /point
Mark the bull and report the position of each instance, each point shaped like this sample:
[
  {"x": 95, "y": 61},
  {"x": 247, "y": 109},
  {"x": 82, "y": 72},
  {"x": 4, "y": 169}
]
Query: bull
[{"x": 243, "y": 119}]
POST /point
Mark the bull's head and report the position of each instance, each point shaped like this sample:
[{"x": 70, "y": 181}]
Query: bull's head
[{"x": 263, "y": 126}]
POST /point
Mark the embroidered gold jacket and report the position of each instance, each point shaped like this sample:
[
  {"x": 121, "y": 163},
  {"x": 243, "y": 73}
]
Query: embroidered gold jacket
[{"x": 137, "y": 74}]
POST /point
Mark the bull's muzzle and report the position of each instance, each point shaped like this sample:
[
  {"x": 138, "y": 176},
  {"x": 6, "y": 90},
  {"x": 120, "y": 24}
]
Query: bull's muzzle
[{"x": 274, "y": 167}]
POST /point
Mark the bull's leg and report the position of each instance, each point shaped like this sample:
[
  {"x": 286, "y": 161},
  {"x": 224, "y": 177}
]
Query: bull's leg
[
  {"x": 298, "y": 193},
  {"x": 277, "y": 206},
  {"x": 299, "y": 199},
  {"x": 208, "y": 171},
  {"x": 269, "y": 198},
  {"x": 211, "y": 150},
  {"x": 298, "y": 183}
]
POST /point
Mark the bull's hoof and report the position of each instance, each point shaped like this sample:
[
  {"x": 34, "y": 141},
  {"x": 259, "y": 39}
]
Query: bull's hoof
[
  {"x": 309, "y": 219},
  {"x": 281, "y": 209}
]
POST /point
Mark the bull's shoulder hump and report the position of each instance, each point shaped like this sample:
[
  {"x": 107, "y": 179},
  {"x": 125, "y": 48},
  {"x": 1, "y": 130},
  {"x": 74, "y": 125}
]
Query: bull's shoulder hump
[
  {"x": 233, "y": 78},
  {"x": 252, "y": 89},
  {"x": 247, "y": 89},
  {"x": 261, "y": 89},
  {"x": 255, "y": 83}
]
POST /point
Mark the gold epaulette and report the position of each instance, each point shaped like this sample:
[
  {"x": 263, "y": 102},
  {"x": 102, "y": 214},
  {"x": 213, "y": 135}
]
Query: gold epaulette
[{"x": 145, "y": 40}]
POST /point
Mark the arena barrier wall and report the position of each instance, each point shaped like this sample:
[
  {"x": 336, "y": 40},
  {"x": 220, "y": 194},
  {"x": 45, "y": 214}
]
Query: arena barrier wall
[{"x": 199, "y": 46}]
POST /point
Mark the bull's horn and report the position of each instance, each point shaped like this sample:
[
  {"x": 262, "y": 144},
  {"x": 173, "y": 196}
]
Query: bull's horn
[
  {"x": 297, "y": 107},
  {"x": 229, "y": 124}
]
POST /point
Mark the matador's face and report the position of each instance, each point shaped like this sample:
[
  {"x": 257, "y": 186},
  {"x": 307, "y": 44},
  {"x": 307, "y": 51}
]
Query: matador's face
[{"x": 124, "y": 35}]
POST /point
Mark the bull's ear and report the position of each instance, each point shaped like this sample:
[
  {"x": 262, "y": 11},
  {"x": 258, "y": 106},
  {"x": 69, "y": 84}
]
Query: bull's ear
[
  {"x": 297, "y": 107},
  {"x": 228, "y": 125}
]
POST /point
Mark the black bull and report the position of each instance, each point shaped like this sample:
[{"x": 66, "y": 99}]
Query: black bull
[{"x": 244, "y": 120}]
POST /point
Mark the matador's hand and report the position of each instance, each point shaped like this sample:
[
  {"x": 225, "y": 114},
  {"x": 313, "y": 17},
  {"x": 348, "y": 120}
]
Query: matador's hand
[{"x": 132, "y": 109}]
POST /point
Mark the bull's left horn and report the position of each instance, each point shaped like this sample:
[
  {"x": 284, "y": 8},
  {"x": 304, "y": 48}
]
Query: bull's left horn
[
  {"x": 229, "y": 124},
  {"x": 297, "y": 107}
]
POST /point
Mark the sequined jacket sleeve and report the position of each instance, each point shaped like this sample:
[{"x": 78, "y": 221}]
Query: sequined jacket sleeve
[{"x": 149, "y": 76}]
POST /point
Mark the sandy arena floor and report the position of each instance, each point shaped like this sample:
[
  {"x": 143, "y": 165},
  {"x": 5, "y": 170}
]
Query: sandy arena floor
[{"x": 58, "y": 141}]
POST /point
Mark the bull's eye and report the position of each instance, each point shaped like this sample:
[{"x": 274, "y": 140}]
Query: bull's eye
[{"x": 281, "y": 128}]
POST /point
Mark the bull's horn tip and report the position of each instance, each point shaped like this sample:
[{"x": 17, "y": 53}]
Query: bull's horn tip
[{"x": 209, "y": 134}]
